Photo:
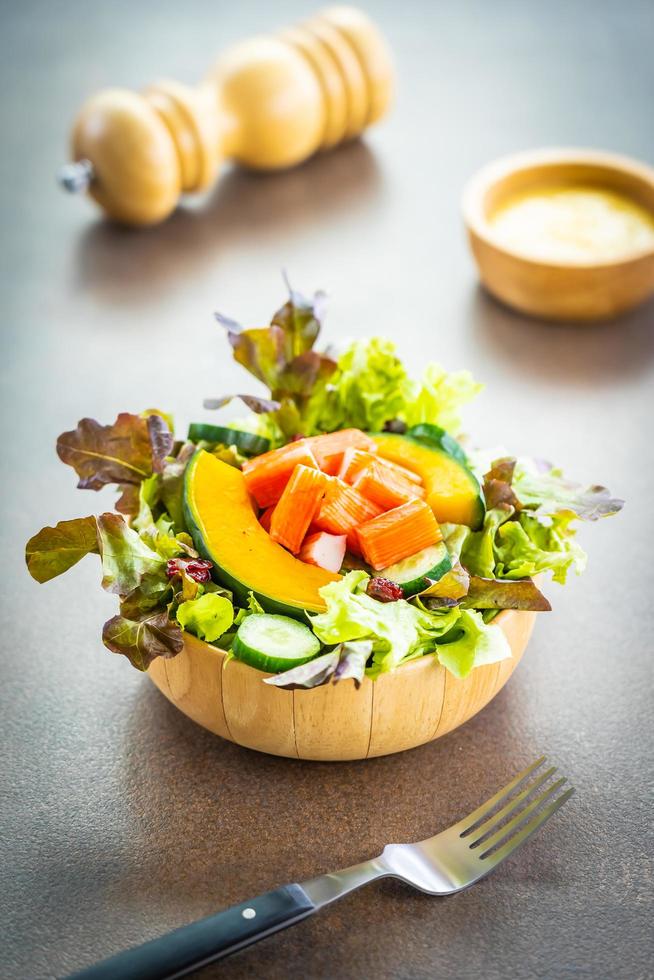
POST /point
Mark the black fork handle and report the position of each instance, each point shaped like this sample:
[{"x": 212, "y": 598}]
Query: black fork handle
[{"x": 194, "y": 946}]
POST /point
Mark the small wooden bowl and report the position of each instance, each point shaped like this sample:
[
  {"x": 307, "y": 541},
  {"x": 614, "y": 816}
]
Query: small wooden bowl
[
  {"x": 563, "y": 291},
  {"x": 414, "y": 704}
]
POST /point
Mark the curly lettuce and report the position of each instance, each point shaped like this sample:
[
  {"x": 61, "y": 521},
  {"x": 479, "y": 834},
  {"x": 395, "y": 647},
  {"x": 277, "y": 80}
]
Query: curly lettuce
[
  {"x": 400, "y": 631},
  {"x": 367, "y": 387}
]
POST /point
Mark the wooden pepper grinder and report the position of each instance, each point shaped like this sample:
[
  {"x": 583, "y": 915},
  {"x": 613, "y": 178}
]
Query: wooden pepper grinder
[{"x": 268, "y": 103}]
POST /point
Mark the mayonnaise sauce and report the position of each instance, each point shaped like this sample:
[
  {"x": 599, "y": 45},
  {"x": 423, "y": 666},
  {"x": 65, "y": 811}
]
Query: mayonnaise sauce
[{"x": 573, "y": 223}]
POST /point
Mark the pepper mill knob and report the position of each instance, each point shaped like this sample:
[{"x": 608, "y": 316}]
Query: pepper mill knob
[{"x": 268, "y": 103}]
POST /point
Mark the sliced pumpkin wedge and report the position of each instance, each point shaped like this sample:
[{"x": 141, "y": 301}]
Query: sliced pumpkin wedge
[
  {"x": 225, "y": 529},
  {"x": 453, "y": 491}
]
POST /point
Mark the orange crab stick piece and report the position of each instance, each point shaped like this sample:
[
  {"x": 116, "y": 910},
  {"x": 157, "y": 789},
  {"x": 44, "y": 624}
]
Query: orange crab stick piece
[
  {"x": 267, "y": 475},
  {"x": 297, "y": 507},
  {"x": 334, "y": 444},
  {"x": 325, "y": 550},
  {"x": 398, "y": 533},
  {"x": 403, "y": 471},
  {"x": 265, "y": 517},
  {"x": 385, "y": 487},
  {"x": 343, "y": 508},
  {"x": 331, "y": 464},
  {"x": 354, "y": 461}
]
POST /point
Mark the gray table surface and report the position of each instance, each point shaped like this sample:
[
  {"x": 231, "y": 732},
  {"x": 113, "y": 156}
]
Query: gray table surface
[{"x": 121, "y": 819}]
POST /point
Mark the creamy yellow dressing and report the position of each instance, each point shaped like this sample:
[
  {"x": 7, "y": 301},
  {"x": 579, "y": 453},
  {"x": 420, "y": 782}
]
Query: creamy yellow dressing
[{"x": 573, "y": 223}]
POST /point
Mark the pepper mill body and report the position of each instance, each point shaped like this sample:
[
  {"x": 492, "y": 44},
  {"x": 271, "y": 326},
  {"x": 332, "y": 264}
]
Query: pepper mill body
[{"x": 268, "y": 103}]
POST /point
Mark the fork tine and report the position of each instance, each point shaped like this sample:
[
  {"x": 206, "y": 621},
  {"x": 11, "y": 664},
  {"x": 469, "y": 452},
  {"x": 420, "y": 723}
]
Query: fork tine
[
  {"x": 485, "y": 829},
  {"x": 508, "y": 828},
  {"x": 517, "y": 840},
  {"x": 481, "y": 813}
]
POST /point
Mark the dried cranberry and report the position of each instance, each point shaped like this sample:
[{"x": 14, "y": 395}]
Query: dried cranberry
[
  {"x": 195, "y": 568},
  {"x": 384, "y": 590},
  {"x": 396, "y": 426}
]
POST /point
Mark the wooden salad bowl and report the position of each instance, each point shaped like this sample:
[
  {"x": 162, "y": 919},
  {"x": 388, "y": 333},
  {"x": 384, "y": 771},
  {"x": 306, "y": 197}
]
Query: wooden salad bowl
[{"x": 414, "y": 704}]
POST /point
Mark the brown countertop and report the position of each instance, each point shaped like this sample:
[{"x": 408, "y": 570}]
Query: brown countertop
[{"x": 121, "y": 818}]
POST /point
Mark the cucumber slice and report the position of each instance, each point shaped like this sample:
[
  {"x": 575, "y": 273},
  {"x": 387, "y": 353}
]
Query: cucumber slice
[
  {"x": 414, "y": 574},
  {"x": 274, "y": 643},
  {"x": 247, "y": 442}
]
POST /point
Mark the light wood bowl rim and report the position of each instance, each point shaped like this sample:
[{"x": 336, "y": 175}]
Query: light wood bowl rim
[{"x": 475, "y": 191}]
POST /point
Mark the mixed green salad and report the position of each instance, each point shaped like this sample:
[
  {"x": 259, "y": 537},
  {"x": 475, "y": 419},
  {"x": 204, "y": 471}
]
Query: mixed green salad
[{"x": 340, "y": 529}]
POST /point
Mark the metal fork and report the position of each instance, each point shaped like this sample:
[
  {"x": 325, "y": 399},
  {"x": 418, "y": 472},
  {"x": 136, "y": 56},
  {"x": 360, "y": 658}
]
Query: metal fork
[{"x": 441, "y": 865}]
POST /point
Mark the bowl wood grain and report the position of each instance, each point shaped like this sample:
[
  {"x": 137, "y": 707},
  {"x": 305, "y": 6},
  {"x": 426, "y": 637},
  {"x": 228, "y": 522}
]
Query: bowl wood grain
[{"x": 410, "y": 706}]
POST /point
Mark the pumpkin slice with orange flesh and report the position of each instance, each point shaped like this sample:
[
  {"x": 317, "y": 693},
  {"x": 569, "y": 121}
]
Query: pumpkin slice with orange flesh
[
  {"x": 225, "y": 529},
  {"x": 453, "y": 492}
]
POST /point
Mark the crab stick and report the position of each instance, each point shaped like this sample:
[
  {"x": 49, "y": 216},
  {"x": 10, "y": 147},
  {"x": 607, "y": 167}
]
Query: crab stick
[
  {"x": 297, "y": 507},
  {"x": 343, "y": 508},
  {"x": 325, "y": 550},
  {"x": 267, "y": 475},
  {"x": 384, "y": 486},
  {"x": 398, "y": 533}
]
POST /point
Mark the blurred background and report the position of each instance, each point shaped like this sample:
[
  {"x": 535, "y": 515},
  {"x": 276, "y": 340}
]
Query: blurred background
[{"x": 97, "y": 319}]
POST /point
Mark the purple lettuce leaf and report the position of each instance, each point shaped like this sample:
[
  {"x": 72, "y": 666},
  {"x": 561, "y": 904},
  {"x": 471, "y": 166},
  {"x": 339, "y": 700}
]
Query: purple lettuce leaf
[
  {"x": 127, "y": 452},
  {"x": 498, "y": 490},
  {"x": 548, "y": 492},
  {"x": 172, "y": 484},
  {"x": 142, "y": 640},
  {"x": 256, "y": 404},
  {"x": 348, "y": 660},
  {"x": 485, "y": 593},
  {"x": 312, "y": 674},
  {"x": 129, "y": 501},
  {"x": 53, "y": 550},
  {"x": 282, "y": 357},
  {"x": 352, "y": 661}
]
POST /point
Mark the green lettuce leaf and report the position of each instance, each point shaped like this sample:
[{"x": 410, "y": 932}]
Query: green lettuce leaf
[
  {"x": 454, "y": 538},
  {"x": 154, "y": 592},
  {"x": 207, "y": 617},
  {"x": 399, "y": 631},
  {"x": 126, "y": 452},
  {"x": 439, "y": 397},
  {"x": 448, "y": 590},
  {"x": 473, "y": 644},
  {"x": 148, "y": 498},
  {"x": 478, "y": 550},
  {"x": 141, "y": 641},
  {"x": 126, "y": 558},
  {"x": 53, "y": 550},
  {"x": 527, "y": 547},
  {"x": 369, "y": 387}
]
